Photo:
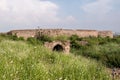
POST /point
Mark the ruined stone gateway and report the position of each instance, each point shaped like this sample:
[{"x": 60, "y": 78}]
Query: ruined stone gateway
[{"x": 60, "y": 46}]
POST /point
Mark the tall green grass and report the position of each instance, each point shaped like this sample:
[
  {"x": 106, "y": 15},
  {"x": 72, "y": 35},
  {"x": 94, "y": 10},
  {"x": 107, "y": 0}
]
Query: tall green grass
[
  {"x": 106, "y": 50},
  {"x": 23, "y": 61}
]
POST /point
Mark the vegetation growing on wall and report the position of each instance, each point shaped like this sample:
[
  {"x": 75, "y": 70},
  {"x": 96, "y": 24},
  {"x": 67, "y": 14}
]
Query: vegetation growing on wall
[{"x": 46, "y": 38}]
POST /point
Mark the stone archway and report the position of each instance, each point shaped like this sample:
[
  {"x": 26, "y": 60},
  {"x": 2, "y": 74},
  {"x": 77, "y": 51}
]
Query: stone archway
[{"x": 58, "y": 46}]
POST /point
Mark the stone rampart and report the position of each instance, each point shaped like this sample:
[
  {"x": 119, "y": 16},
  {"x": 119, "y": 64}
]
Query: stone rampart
[
  {"x": 58, "y": 32},
  {"x": 105, "y": 34}
]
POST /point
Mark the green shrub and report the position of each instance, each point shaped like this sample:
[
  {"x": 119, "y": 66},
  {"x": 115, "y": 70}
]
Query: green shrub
[
  {"x": 107, "y": 53},
  {"x": 116, "y": 39},
  {"x": 74, "y": 41},
  {"x": 14, "y": 37},
  {"x": 34, "y": 41},
  {"x": 61, "y": 38},
  {"x": 6, "y": 36},
  {"x": 75, "y": 45},
  {"x": 110, "y": 54},
  {"x": 21, "y": 38},
  {"x": 73, "y": 38},
  {"x": 45, "y": 38},
  {"x": 111, "y": 60}
]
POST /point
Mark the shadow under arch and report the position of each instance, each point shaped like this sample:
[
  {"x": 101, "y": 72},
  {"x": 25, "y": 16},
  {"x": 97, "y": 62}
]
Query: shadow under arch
[{"x": 58, "y": 48}]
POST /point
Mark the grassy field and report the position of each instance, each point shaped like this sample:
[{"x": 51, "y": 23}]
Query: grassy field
[
  {"x": 20, "y": 60},
  {"x": 105, "y": 50}
]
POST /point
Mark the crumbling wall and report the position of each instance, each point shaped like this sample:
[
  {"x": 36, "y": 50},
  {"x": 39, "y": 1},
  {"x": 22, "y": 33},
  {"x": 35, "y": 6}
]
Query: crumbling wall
[
  {"x": 87, "y": 33},
  {"x": 105, "y": 34},
  {"x": 23, "y": 33},
  {"x": 58, "y": 32},
  {"x": 50, "y": 32}
]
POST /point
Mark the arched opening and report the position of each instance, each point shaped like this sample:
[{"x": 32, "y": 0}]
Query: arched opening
[{"x": 58, "y": 48}]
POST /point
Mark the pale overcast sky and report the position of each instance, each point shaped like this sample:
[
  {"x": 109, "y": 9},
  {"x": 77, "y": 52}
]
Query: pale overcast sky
[{"x": 68, "y": 14}]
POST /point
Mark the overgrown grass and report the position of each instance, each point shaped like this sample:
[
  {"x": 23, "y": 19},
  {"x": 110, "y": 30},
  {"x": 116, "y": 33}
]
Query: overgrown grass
[
  {"x": 24, "y": 61},
  {"x": 106, "y": 50}
]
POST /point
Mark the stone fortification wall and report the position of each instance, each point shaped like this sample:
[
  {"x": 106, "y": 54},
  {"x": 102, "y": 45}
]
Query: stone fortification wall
[
  {"x": 105, "y": 34},
  {"x": 58, "y": 32},
  {"x": 87, "y": 33},
  {"x": 23, "y": 33},
  {"x": 50, "y": 32},
  {"x": 80, "y": 33}
]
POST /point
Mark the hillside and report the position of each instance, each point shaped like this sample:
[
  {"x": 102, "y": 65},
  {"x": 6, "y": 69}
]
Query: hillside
[{"x": 21, "y": 60}]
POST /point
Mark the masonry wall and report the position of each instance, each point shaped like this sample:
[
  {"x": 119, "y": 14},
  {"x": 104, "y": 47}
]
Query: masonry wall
[
  {"x": 105, "y": 34},
  {"x": 87, "y": 33},
  {"x": 57, "y": 32},
  {"x": 65, "y": 45},
  {"x": 23, "y": 33}
]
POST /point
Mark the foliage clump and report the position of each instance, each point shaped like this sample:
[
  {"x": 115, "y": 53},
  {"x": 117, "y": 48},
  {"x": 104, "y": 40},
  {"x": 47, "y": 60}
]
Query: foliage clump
[
  {"x": 34, "y": 41},
  {"x": 43, "y": 37},
  {"x": 105, "y": 50}
]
